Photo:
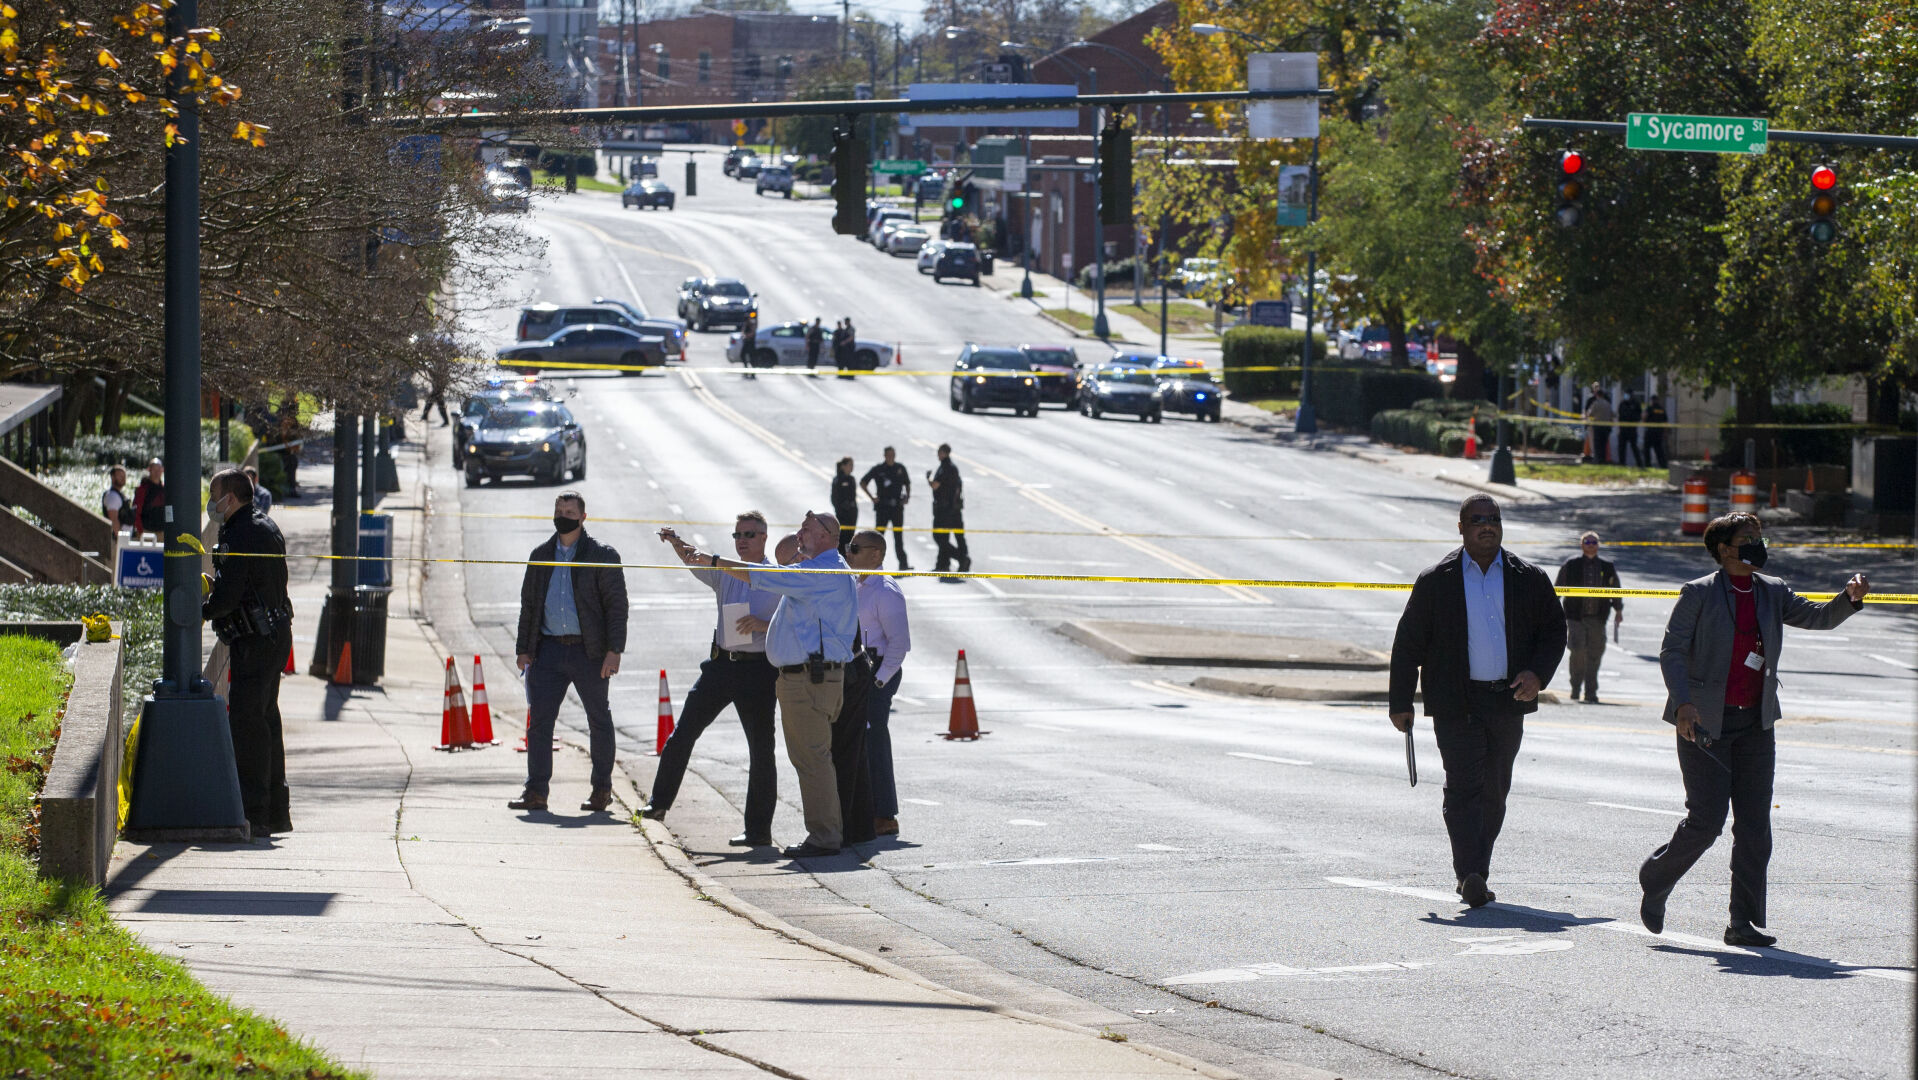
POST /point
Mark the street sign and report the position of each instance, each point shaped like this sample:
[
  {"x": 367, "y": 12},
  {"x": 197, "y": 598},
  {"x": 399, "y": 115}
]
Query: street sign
[
  {"x": 1295, "y": 196},
  {"x": 900, "y": 168},
  {"x": 1697, "y": 134},
  {"x": 739, "y": 127},
  {"x": 139, "y": 566},
  {"x": 1015, "y": 172},
  {"x": 1284, "y": 118}
]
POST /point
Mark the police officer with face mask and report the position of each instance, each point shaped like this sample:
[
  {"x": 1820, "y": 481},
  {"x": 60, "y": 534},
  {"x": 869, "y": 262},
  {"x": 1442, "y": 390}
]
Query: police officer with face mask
[{"x": 250, "y": 611}]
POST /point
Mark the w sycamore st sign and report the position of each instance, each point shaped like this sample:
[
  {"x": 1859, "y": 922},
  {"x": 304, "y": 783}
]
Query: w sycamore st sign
[{"x": 1697, "y": 134}]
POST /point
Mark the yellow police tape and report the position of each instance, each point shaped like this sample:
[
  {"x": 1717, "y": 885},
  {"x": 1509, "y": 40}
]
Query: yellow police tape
[
  {"x": 1116, "y": 534},
  {"x": 1131, "y": 579}
]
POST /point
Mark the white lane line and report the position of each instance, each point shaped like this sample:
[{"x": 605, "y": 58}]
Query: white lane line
[
  {"x": 676, "y": 509},
  {"x": 1255, "y": 972},
  {"x": 1175, "y": 688},
  {"x": 1042, "y": 861},
  {"x": 1025, "y": 821},
  {"x": 1893, "y": 663},
  {"x": 1225, "y": 504},
  {"x": 1639, "y": 809},
  {"x": 1300, "y": 533},
  {"x": 916, "y": 703},
  {"x": 920, "y": 802},
  {"x": 1157, "y": 847},
  {"x": 1168, "y": 483},
  {"x": 1266, "y": 757},
  {"x": 621, "y": 445},
  {"x": 1390, "y": 507},
  {"x": 1617, "y": 926},
  {"x": 1388, "y": 567},
  {"x": 654, "y": 484}
]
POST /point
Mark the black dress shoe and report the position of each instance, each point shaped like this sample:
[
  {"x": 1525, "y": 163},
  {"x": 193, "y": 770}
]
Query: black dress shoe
[
  {"x": 528, "y": 801},
  {"x": 1743, "y": 933},
  {"x": 807, "y": 850},
  {"x": 749, "y": 840},
  {"x": 1651, "y": 910},
  {"x": 598, "y": 801},
  {"x": 656, "y": 813},
  {"x": 965, "y": 564},
  {"x": 1472, "y": 889}
]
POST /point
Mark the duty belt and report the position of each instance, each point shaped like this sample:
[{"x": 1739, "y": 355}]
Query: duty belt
[
  {"x": 794, "y": 669},
  {"x": 737, "y": 657}
]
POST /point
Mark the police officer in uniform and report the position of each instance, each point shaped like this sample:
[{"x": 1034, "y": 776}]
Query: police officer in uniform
[
  {"x": 948, "y": 515},
  {"x": 894, "y": 486},
  {"x": 845, "y": 502},
  {"x": 251, "y": 613}
]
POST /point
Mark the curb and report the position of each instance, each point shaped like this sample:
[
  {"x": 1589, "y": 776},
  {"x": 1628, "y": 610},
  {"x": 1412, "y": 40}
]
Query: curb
[{"x": 667, "y": 848}]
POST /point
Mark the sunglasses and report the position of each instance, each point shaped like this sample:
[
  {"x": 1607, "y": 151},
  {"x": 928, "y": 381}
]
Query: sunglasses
[
  {"x": 1483, "y": 519},
  {"x": 746, "y": 535},
  {"x": 1588, "y": 543}
]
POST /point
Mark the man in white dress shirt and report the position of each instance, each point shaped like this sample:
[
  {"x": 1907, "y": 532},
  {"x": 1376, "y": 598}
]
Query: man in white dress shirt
[{"x": 888, "y": 638}]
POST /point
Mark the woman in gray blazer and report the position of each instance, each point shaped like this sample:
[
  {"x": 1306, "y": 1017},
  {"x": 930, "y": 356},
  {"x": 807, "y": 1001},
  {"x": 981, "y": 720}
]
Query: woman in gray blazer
[{"x": 1720, "y": 661}]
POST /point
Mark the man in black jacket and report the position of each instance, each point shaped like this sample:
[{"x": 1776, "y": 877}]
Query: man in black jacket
[
  {"x": 250, "y": 611},
  {"x": 845, "y": 502},
  {"x": 889, "y": 501},
  {"x": 1481, "y": 634},
  {"x": 948, "y": 515},
  {"x": 572, "y": 628},
  {"x": 1585, "y": 615}
]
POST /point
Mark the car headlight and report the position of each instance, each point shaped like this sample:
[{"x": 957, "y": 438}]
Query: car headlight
[
  {"x": 472, "y": 448},
  {"x": 546, "y": 447},
  {"x": 1027, "y": 381},
  {"x": 979, "y": 378}
]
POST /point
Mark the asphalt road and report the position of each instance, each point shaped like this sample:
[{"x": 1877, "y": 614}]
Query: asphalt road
[{"x": 1126, "y": 840}]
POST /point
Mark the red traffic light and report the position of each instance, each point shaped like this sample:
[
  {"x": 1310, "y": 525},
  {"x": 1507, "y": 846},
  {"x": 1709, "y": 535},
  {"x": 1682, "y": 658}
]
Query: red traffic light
[
  {"x": 1571, "y": 163},
  {"x": 1824, "y": 178}
]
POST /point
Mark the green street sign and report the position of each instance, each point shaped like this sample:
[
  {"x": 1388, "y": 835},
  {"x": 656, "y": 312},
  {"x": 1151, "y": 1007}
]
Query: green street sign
[
  {"x": 900, "y": 168},
  {"x": 1697, "y": 134}
]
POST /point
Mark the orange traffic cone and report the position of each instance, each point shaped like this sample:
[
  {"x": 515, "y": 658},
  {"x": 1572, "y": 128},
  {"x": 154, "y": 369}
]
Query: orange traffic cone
[
  {"x": 482, "y": 713},
  {"x": 343, "y": 671},
  {"x": 665, "y": 716},
  {"x": 1774, "y": 494},
  {"x": 456, "y": 732},
  {"x": 1471, "y": 439},
  {"x": 964, "y": 722},
  {"x": 1809, "y": 486}
]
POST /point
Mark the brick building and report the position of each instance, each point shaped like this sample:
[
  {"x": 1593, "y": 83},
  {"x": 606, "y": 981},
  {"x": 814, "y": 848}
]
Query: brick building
[{"x": 715, "y": 57}]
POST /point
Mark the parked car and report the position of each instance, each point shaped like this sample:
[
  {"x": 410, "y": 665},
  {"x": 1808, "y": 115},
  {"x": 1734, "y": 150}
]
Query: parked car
[
  {"x": 495, "y": 393},
  {"x": 673, "y": 330},
  {"x": 1189, "y": 390},
  {"x": 647, "y": 195},
  {"x": 985, "y": 378},
  {"x": 1378, "y": 350},
  {"x": 784, "y": 345},
  {"x": 877, "y": 213},
  {"x": 505, "y": 193},
  {"x": 748, "y": 167},
  {"x": 876, "y": 227},
  {"x": 957, "y": 261},
  {"x": 1130, "y": 390},
  {"x": 906, "y": 240},
  {"x": 929, "y": 254},
  {"x": 710, "y": 302},
  {"x": 537, "y": 439},
  {"x": 737, "y": 154},
  {"x": 1352, "y": 343},
  {"x": 586, "y": 347},
  {"x": 1056, "y": 367},
  {"x": 774, "y": 178},
  {"x": 540, "y": 321}
]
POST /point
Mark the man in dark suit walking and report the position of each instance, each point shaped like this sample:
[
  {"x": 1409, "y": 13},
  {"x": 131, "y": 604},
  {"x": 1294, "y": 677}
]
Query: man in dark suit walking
[
  {"x": 1585, "y": 615},
  {"x": 572, "y": 628},
  {"x": 1720, "y": 662},
  {"x": 1482, "y": 632}
]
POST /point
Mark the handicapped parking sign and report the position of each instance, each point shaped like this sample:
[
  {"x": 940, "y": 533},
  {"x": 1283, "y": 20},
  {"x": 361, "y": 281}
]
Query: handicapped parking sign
[{"x": 140, "y": 567}]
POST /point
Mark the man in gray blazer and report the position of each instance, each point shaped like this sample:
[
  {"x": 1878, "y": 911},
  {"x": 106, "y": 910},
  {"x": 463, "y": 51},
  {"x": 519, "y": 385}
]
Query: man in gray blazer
[{"x": 1720, "y": 661}]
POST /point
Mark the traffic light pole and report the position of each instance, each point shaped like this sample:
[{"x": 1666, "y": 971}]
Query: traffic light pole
[
  {"x": 1308, "y": 421},
  {"x": 185, "y": 783},
  {"x": 1100, "y": 328},
  {"x": 1025, "y": 228}
]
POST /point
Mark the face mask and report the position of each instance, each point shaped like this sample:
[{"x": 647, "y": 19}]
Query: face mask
[
  {"x": 216, "y": 515},
  {"x": 1752, "y": 553},
  {"x": 564, "y": 524}
]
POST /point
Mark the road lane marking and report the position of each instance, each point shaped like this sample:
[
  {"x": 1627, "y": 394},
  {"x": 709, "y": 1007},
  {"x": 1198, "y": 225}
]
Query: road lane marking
[
  {"x": 1025, "y": 821},
  {"x": 1255, "y": 972},
  {"x": 1388, "y": 568},
  {"x": 1266, "y": 757},
  {"x": 1225, "y": 504},
  {"x": 1893, "y": 663},
  {"x": 705, "y": 270},
  {"x": 1640, "y": 809},
  {"x": 920, "y": 802},
  {"x": 917, "y": 704},
  {"x": 676, "y": 508},
  {"x": 654, "y": 484},
  {"x": 1157, "y": 847},
  {"x": 698, "y": 387}
]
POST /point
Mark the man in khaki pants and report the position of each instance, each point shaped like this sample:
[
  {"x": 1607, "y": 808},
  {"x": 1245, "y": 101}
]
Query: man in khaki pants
[{"x": 810, "y": 641}]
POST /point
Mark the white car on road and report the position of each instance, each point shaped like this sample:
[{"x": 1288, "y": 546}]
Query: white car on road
[
  {"x": 784, "y": 345},
  {"x": 906, "y": 239}
]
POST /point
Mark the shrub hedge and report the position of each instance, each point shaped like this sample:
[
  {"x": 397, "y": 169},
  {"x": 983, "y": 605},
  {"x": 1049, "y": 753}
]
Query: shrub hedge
[
  {"x": 1265, "y": 346},
  {"x": 1818, "y": 447},
  {"x": 1350, "y": 397}
]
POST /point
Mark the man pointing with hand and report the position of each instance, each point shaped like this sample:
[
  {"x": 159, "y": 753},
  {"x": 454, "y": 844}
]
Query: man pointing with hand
[{"x": 1482, "y": 632}]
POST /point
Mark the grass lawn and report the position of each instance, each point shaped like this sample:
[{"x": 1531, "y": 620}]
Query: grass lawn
[
  {"x": 1078, "y": 320},
  {"x": 586, "y": 183},
  {"x": 80, "y": 996},
  {"x": 1276, "y": 405},
  {"x": 1181, "y": 316},
  {"x": 1608, "y": 475}
]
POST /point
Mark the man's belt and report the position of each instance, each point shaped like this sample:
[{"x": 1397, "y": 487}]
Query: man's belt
[
  {"x": 795, "y": 669},
  {"x": 565, "y": 639},
  {"x": 736, "y": 657},
  {"x": 1496, "y": 686}
]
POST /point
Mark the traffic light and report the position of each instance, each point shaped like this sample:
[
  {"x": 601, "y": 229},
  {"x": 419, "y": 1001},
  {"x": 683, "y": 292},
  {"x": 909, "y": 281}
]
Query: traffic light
[
  {"x": 956, "y": 201},
  {"x": 1824, "y": 204},
  {"x": 1115, "y": 175},
  {"x": 1571, "y": 188},
  {"x": 848, "y": 182}
]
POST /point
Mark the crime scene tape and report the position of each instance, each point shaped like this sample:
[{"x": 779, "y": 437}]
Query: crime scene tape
[
  {"x": 732, "y": 367},
  {"x": 1569, "y": 543},
  {"x": 1132, "y": 579}
]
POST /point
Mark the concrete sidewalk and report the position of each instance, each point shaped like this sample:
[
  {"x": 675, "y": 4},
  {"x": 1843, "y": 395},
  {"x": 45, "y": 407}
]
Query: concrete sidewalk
[{"x": 411, "y": 925}]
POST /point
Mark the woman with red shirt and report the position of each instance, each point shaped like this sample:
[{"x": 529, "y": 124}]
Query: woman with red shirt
[{"x": 1720, "y": 661}]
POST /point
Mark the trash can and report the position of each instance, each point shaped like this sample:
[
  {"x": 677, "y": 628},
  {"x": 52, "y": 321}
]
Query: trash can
[
  {"x": 985, "y": 262},
  {"x": 369, "y": 633},
  {"x": 376, "y": 550}
]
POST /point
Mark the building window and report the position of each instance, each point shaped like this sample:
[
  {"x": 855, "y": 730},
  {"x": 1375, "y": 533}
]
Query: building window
[
  {"x": 705, "y": 65},
  {"x": 665, "y": 62}
]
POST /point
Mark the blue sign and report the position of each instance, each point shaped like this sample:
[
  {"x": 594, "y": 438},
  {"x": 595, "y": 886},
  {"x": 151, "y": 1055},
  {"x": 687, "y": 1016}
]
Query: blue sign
[
  {"x": 376, "y": 550},
  {"x": 141, "y": 566}
]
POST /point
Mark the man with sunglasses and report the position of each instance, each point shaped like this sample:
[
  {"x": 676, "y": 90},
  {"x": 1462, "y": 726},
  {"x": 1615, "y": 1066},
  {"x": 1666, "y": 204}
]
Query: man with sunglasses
[
  {"x": 1585, "y": 615},
  {"x": 1481, "y": 633},
  {"x": 735, "y": 673},
  {"x": 810, "y": 640},
  {"x": 1720, "y": 662}
]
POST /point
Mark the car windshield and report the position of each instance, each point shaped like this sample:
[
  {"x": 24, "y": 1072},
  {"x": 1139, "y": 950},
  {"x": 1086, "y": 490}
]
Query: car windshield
[
  {"x": 523, "y": 418},
  {"x": 1058, "y": 357},
  {"x": 1129, "y": 376},
  {"x": 728, "y": 288},
  {"x": 1376, "y": 333},
  {"x": 1002, "y": 359},
  {"x": 1194, "y": 374}
]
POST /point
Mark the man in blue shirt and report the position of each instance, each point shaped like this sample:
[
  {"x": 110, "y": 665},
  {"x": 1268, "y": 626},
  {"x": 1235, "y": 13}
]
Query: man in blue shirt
[
  {"x": 572, "y": 629},
  {"x": 810, "y": 642},
  {"x": 1481, "y": 633},
  {"x": 736, "y": 674}
]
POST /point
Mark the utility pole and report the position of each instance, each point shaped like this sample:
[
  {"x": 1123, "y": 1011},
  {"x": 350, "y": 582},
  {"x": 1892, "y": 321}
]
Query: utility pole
[
  {"x": 1308, "y": 422},
  {"x": 1165, "y": 161},
  {"x": 185, "y": 783},
  {"x": 1100, "y": 328}
]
